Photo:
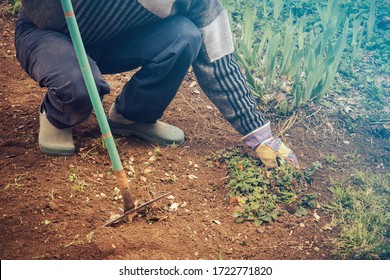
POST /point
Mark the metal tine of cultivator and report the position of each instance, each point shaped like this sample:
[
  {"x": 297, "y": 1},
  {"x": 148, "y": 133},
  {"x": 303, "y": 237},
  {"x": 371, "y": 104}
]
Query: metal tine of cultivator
[
  {"x": 97, "y": 106},
  {"x": 131, "y": 211}
]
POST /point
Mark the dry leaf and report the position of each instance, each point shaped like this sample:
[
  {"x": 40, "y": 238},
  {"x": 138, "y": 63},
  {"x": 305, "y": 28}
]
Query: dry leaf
[
  {"x": 142, "y": 178},
  {"x": 327, "y": 227},
  {"x": 132, "y": 169},
  {"x": 233, "y": 200},
  {"x": 153, "y": 158},
  {"x": 193, "y": 84},
  {"x": 316, "y": 216},
  {"x": 147, "y": 170},
  {"x": 240, "y": 166}
]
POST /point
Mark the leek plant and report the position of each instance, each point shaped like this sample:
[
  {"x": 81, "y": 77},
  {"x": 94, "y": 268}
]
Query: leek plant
[
  {"x": 371, "y": 19},
  {"x": 248, "y": 51},
  {"x": 278, "y": 8},
  {"x": 271, "y": 58},
  {"x": 300, "y": 43},
  {"x": 357, "y": 38}
]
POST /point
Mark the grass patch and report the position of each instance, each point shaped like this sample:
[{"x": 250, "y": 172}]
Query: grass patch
[
  {"x": 361, "y": 211},
  {"x": 17, "y": 181},
  {"x": 77, "y": 183},
  {"x": 260, "y": 194}
]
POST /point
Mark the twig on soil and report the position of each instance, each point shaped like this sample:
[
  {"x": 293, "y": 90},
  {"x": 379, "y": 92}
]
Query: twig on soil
[
  {"x": 313, "y": 114},
  {"x": 204, "y": 117},
  {"x": 287, "y": 125},
  {"x": 380, "y": 122},
  {"x": 192, "y": 107}
]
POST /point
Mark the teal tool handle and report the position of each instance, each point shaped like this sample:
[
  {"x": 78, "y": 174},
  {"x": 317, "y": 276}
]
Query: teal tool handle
[
  {"x": 90, "y": 83},
  {"x": 96, "y": 102}
]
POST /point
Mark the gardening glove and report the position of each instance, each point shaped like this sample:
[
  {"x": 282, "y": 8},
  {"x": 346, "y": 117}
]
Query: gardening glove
[{"x": 269, "y": 148}]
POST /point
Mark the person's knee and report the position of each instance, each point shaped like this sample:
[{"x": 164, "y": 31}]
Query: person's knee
[
  {"x": 69, "y": 101},
  {"x": 189, "y": 35}
]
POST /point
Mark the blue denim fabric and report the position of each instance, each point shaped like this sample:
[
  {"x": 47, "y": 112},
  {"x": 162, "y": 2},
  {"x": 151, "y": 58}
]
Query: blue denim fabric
[{"x": 164, "y": 49}]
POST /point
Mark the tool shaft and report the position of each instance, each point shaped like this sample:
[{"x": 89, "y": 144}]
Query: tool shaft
[{"x": 96, "y": 102}]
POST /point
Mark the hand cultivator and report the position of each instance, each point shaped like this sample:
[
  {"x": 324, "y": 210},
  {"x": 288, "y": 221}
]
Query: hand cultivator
[{"x": 122, "y": 181}]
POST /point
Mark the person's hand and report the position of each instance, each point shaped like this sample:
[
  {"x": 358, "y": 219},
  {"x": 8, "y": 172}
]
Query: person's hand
[{"x": 270, "y": 150}]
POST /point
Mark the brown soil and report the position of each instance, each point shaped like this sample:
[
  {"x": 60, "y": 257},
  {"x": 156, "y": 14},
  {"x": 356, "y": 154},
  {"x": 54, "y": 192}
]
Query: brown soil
[{"x": 42, "y": 216}]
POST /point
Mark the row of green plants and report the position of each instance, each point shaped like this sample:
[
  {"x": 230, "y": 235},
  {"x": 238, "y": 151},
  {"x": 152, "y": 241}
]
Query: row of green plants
[{"x": 299, "y": 45}]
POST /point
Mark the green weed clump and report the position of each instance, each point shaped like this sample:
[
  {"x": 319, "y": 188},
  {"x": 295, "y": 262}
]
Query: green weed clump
[
  {"x": 77, "y": 183},
  {"x": 16, "y": 5},
  {"x": 361, "y": 211},
  {"x": 260, "y": 194}
]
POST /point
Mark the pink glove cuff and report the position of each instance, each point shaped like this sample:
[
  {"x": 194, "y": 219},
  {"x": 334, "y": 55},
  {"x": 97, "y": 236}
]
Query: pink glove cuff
[
  {"x": 293, "y": 158},
  {"x": 258, "y": 136}
]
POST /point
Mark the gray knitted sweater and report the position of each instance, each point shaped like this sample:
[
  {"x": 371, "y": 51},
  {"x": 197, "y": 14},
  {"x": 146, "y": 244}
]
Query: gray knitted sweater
[{"x": 215, "y": 68}]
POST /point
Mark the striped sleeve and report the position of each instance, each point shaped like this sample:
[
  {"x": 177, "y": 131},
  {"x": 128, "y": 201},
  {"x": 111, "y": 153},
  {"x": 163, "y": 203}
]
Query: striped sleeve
[
  {"x": 99, "y": 20},
  {"x": 225, "y": 85}
]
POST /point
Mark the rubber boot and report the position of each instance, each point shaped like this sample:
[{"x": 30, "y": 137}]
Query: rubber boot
[
  {"x": 54, "y": 141},
  {"x": 156, "y": 133}
]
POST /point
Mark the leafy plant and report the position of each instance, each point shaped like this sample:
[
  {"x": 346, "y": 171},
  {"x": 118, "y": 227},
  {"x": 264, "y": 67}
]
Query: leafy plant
[
  {"x": 247, "y": 52},
  {"x": 278, "y": 8},
  {"x": 17, "y": 4},
  {"x": 77, "y": 183},
  {"x": 371, "y": 19},
  {"x": 260, "y": 194}
]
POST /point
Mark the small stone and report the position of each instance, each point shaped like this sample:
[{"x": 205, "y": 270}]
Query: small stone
[
  {"x": 174, "y": 207},
  {"x": 260, "y": 229},
  {"x": 327, "y": 227},
  {"x": 143, "y": 178},
  {"x": 52, "y": 205}
]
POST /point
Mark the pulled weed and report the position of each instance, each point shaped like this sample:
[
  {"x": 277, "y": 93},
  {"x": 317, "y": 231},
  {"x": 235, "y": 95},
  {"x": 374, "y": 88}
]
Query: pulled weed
[{"x": 261, "y": 194}]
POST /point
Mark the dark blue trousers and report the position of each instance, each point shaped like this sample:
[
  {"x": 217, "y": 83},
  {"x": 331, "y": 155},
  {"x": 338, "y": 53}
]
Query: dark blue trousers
[{"x": 164, "y": 50}]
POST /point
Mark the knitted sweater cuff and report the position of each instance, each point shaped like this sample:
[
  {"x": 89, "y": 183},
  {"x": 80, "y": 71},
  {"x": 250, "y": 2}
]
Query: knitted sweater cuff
[{"x": 258, "y": 136}]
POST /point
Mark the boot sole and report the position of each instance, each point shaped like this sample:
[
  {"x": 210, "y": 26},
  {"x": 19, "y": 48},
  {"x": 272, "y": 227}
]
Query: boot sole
[
  {"x": 119, "y": 129},
  {"x": 145, "y": 137},
  {"x": 57, "y": 151}
]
